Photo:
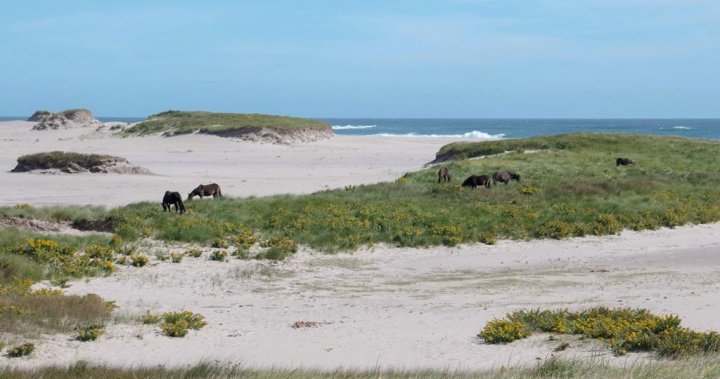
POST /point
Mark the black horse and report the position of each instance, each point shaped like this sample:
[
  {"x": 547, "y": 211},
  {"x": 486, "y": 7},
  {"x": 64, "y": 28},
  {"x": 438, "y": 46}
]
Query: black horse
[
  {"x": 173, "y": 198},
  {"x": 505, "y": 177},
  {"x": 477, "y": 180},
  {"x": 206, "y": 190},
  {"x": 623, "y": 162},
  {"x": 444, "y": 175}
]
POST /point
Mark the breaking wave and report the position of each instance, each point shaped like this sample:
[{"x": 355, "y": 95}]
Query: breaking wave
[
  {"x": 350, "y": 127},
  {"x": 473, "y": 134}
]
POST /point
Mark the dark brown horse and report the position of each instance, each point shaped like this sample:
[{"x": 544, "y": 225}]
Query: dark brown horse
[
  {"x": 623, "y": 162},
  {"x": 173, "y": 198},
  {"x": 477, "y": 180},
  {"x": 444, "y": 175},
  {"x": 505, "y": 177},
  {"x": 206, "y": 190}
]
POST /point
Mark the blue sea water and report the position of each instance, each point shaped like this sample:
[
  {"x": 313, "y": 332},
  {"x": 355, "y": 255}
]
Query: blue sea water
[
  {"x": 502, "y": 128},
  {"x": 518, "y": 128}
]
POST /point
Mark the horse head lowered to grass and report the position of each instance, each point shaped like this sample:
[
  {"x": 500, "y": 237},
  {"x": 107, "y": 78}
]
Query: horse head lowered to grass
[
  {"x": 173, "y": 198},
  {"x": 206, "y": 190},
  {"x": 505, "y": 177}
]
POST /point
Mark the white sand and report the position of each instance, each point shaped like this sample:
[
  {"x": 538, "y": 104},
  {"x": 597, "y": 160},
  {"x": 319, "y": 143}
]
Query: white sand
[
  {"x": 383, "y": 307},
  {"x": 181, "y": 163}
]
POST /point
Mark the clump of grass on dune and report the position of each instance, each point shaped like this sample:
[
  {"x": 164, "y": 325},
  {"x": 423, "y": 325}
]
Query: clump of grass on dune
[
  {"x": 624, "y": 330},
  {"x": 570, "y": 187},
  {"x": 706, "y": 367}
]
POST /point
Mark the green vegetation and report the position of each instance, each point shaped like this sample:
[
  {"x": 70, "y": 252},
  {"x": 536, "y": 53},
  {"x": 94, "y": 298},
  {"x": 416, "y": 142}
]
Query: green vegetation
[
  {"x": 21, "y": 351},
  {"x": 569, "y": 188},
  {"x": 176, "y": 122},
  {"x": 176, "y": 324},
  {"x": 623, "y": 329},
  {"x": 708, "y": 367},
  {"x": 26, "y": 258},
  {"x": 89, "y": 332},
  {"x": 60, "y": 160}
]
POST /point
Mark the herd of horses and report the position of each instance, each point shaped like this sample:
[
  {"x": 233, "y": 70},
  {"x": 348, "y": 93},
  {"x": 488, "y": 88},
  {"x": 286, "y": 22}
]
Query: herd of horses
[
  {"x": 475, "y": 181},
  {"x": 172, "y": 198}
]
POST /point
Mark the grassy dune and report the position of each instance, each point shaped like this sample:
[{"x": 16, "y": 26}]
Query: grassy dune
[
  {"x": 177, "y": 122},
  {"x": 570, "y": 187}
]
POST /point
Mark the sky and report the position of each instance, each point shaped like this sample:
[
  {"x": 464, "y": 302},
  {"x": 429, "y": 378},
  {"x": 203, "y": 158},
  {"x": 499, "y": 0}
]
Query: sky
[{"x": 370, "y": 58}]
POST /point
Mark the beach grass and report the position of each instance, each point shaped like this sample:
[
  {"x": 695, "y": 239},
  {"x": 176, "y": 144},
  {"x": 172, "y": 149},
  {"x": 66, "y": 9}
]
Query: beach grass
[
  {"x": 178, "y": 122},
  {"x": 570, "y": 187},
  {"x": 700, "y": 367},
  {"x": 29, "y": 257}
]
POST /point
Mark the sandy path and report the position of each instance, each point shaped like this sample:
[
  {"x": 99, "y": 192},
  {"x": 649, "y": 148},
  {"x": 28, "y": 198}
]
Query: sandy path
[
  {"x": 181, "y": 163},
  {"x": 403, "y": 308}
]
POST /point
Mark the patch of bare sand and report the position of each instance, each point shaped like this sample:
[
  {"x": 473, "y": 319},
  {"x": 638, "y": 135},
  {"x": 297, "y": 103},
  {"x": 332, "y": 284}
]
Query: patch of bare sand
[
  {"x": 403, "y": 308},
  {"x": 181, "y": 163}
]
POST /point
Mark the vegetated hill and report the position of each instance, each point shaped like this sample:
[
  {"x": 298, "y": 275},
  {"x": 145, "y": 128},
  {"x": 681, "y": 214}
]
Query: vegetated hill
[
  {"x": 570, "y": 187},
  {"x": 71, "y": 163},
  {"x": 71, "y": 118},
  {"x": 627, "y": 144},
  {"x": 254, "y": 127}
]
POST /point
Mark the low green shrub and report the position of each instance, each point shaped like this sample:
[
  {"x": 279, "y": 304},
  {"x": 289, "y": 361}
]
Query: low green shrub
[
  {"x": 195, "y": 253},
  {"x": 139, "y": 260},
  {"x": 219, "y": 255},
  {"x": 606, "y": 224},
  {"x": 176, "y": 324},
  {"x": 89, "y": 332},
  {"x": 21, "y": 351},
  {"x": 279, "y": 247},
  {"x": 623, "y": 329},
  {"x": 176, "y": 257},
  {"x": 219, "y": 244},
  {"x": 178, "y": 329},
  {"x": 555, "y": 229},
  {"x": 149, "y": 318},
  {"x": 245, "y": 239},
  {"x": 500, "y": 331}
]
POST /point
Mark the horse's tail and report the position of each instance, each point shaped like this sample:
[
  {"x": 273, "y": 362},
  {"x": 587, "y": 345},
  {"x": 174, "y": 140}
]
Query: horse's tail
[
  {"x": 182, "y": 206},
  {"x": 219, "y": 192}
]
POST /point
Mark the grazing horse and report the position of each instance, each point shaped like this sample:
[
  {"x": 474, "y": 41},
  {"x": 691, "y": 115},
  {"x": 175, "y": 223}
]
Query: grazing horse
[
  {"x": 206, "y": 190},
  {"x": 477, "y": 180},
  {"x": 623, "y": 162},
  {"x": 444, "y": 175},
  {"x": 173, "y": 198},
  {"x": 505, "y": 177}
]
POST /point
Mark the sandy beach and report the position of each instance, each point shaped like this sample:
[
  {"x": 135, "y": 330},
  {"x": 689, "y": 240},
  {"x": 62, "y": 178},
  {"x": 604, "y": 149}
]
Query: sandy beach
[
  {"x": 379, "y": 307},
  {"x": 181, "y": 163}
]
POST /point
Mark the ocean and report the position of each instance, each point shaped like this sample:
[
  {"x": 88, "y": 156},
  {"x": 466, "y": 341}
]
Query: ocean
[
  {"x": 503, "y": 128},
  {"x": 518, "y": 128}
]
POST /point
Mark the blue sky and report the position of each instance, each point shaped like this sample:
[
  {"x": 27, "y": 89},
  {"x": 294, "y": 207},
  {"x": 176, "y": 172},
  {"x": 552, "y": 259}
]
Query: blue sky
[{"x": 371, "y": 58}]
